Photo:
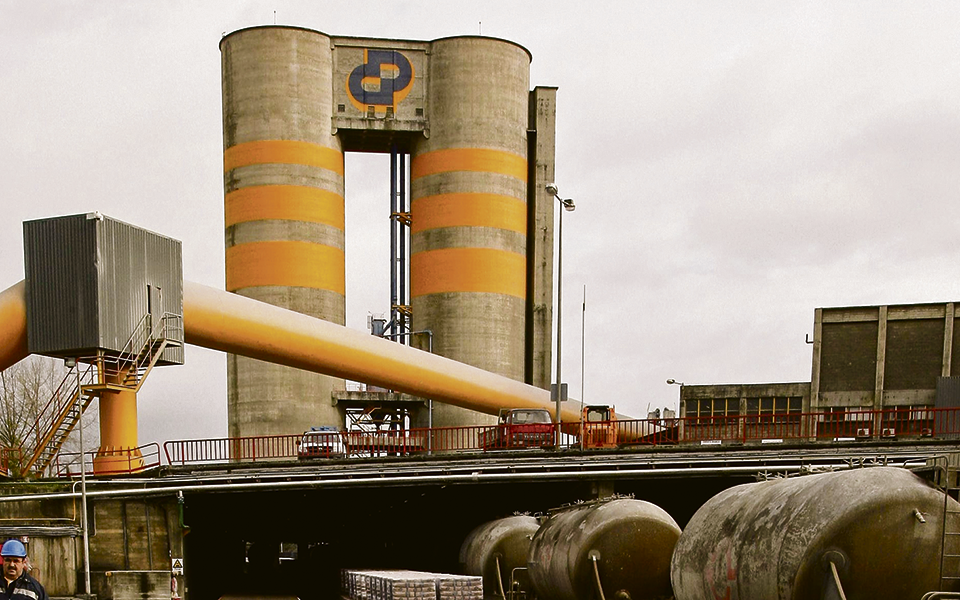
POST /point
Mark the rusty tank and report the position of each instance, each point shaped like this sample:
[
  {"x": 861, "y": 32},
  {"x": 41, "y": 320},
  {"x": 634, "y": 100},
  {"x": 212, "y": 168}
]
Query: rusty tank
[
  {"x": 620, "y": 545},
  {"x": 881, "y": 528},
  {"x": 494, "y": 550}
]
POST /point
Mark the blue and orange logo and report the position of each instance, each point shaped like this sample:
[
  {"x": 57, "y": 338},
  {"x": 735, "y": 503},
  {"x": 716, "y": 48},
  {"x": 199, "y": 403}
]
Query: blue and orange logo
[{"x": 382, "y": 81}]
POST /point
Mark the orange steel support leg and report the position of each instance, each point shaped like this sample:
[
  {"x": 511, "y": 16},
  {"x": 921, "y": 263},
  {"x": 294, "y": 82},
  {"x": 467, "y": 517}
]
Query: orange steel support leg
[{"x": 119, "y": 450}]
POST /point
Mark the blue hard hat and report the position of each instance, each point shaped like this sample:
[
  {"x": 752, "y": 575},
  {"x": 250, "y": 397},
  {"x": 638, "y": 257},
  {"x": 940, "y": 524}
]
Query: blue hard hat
[{"x": 13, "y": 548}]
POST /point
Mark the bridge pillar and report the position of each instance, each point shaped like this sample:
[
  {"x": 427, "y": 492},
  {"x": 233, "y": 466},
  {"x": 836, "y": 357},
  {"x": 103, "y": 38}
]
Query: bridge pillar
[{"x": 601, "y": 488}]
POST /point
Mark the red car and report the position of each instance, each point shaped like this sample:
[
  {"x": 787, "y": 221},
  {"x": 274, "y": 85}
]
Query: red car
[{"x": 520, "y": 428}]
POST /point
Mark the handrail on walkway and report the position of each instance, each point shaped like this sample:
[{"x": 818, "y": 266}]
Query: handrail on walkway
[{"x": 807, "y": 429}]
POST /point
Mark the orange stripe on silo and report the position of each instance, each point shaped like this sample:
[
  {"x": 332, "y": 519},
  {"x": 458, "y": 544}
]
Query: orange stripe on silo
[
  {"x": 285, "y": 202},
  {"x": 294, "y": 264},
  {"x": 484, "y": 160},
  {"x": 468, "y": 270},
  {"x": 285, "y": 152},
  {"x": 469, "y": 210}
]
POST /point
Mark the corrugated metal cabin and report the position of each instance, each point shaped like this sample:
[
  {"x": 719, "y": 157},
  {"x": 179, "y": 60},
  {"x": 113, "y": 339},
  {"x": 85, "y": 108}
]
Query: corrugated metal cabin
[{"x": 92, "y": 281}]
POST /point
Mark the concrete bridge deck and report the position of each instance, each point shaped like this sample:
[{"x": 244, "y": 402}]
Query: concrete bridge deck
[{"x": 393, "y": 512}]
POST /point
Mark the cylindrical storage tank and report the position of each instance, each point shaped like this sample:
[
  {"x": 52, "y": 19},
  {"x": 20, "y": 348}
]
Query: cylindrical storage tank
[
  {"x": 469, "y": 214},
  {"x": 504, "y": 543},
  {"x": 630, "y": 541},
  {"x": 774, "y": 540},
  {"x": 283, "y": 213}
]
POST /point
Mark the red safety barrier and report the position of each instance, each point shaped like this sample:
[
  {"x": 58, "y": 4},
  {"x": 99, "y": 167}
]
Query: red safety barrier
[
  {"x": 220, "y": 450},
  {"x": 121, "y": 462},
  {"x": 646, "y": 432},
  {"x": 807, "y": 428},
  {"x": 386, "y": 443},
  {"x": 321, "y": 444},
  {"x": 10, "y": 461},
  {"x": 836, "y": 426},
  {"x": 455, "y": 439},
  {"x": 519, "y": 436}
]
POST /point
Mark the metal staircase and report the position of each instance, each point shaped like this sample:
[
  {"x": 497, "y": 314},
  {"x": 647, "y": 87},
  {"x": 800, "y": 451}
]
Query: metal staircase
[
  {"x": 144, "y": 349},
  {"x": 91, "y": 377},
  {"x": 58, "y": 418}
]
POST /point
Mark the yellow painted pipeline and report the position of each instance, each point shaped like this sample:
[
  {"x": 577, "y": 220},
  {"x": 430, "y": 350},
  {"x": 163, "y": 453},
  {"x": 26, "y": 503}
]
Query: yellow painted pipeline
[{"x": 228, "y": 322}]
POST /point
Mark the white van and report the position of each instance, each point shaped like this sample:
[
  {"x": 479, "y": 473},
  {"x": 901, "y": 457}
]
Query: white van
[{"x": 321, "y": 442}]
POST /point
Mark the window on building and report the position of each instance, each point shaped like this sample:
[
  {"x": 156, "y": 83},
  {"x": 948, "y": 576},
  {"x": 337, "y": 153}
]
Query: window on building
[
  {"x": 846, "y": 413},
  {"x": 702, "y": 409},
  {"x": 775, "y": 409}
]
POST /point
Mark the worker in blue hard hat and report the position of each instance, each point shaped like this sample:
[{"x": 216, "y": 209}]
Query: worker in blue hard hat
[{"x": 17, "y": 583}]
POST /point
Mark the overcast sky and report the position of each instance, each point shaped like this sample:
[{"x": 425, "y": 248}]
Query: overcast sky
[{"x": 735, "y": 166}]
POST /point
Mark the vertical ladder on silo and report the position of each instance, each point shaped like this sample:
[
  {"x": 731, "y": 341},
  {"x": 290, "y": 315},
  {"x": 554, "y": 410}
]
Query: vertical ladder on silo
[{"x": 950, "y": 544}]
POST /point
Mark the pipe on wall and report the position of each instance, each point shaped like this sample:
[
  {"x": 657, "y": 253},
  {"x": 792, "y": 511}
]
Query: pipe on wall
[{"x": 257, "y": 483}]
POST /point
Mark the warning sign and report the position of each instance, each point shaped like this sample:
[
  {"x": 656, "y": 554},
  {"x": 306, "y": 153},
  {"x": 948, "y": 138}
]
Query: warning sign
[{"x": 176, "y": 565}]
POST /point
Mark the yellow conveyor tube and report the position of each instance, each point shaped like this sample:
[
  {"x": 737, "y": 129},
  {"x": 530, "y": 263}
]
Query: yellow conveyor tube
[
  {"x": 13, "y": 325},
  {"x": 228, "y": 322},
  {"x": 223, "y": 321}
]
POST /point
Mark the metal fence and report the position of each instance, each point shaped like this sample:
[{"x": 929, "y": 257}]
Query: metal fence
[
  {"x": 225, "y": 450},
  {"x": 888, "y": 425},
  {"x": 116, "y": 462},
  {"x": 10, "y": 461},
  {"x": 803, "y": 428}
]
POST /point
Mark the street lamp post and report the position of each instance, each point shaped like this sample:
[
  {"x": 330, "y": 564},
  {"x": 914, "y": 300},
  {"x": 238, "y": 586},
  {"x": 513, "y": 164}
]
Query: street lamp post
[
  {"x": 567, "y": 205},
  {"x": 672, "y": 381},
  {"x": 675, "y": 382},
  {"x": 72, "y": 363}
]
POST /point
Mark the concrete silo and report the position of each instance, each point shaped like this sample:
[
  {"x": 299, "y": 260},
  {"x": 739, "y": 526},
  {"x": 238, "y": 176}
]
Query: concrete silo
[
  {"x": 468, "y": 265},
  {"x": 284, "y": 213},
  {"x": 293, "y": 101}
]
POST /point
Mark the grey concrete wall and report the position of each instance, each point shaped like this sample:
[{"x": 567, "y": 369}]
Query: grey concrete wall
[
  {"x": 132, "y": 585},
  {"x": 125, "y": 536},
  {"x": 882, "y": 356},
  {"x": 137, "y": 535},
  {"x": 57, "y": 563},
  {"x": 283, "y": 186},
  {"x": 540, "y": 217},
  {"x": 54, "y": 545}
]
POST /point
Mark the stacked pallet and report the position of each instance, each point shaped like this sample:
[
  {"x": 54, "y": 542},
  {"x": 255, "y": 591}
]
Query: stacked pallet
[
  {"x": 363, "y": 584},
  {"x": 459, "y": 587},
  {"x": 388, "y": 585}
]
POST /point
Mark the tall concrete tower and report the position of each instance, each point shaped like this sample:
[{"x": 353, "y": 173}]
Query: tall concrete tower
[
  {"x": 283, "y": 212},
  {"x": 469, "y": 210},
  {"x": 293, "y": 101}
]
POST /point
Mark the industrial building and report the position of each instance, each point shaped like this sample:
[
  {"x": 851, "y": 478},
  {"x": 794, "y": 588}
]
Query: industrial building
[
  {"x": 481, "y": 151},
  {"x": 876, "y": 371}
]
